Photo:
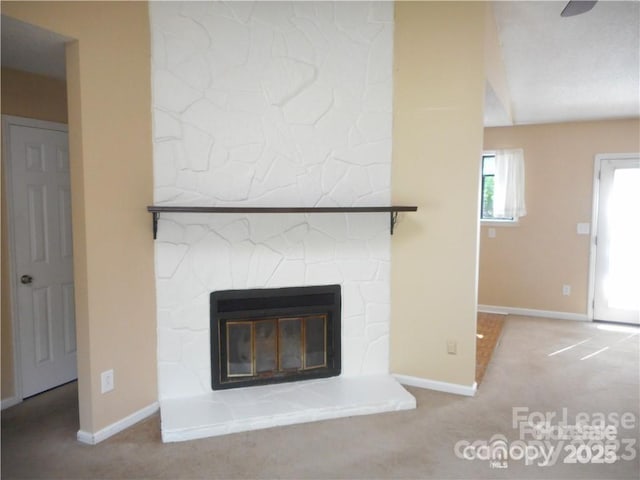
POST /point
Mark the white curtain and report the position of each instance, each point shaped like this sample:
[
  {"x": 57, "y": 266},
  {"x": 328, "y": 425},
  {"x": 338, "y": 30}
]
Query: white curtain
[{"x": 508, "y": 186}]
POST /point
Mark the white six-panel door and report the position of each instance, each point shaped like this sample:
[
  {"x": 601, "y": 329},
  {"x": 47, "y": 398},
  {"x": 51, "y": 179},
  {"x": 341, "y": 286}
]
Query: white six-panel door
[{"x": 40, "y": 216}]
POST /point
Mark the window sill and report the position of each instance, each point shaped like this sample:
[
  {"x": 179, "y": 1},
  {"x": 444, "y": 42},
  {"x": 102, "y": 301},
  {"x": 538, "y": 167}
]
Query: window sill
[{"x": 499, "y": 223}]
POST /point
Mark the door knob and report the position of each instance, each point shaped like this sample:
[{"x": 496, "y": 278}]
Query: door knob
[{"x": 26, "y": 279}]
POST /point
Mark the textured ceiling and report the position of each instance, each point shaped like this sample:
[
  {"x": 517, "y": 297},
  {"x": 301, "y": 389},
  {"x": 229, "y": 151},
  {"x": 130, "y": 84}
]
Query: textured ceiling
[
  {"x": 558, "y": 69},
  {"x": 576, "y": 68}
]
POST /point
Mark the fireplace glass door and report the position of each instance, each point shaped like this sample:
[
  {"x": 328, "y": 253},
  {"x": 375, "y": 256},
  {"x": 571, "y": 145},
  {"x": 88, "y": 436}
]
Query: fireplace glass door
[
  {"x": 270, "y": 346},
  {"x": 274, "y": 335}
]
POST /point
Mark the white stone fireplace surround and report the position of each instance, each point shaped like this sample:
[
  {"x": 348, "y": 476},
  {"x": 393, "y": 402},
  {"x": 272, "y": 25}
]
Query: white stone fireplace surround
[{"x": 271, "y": 105}]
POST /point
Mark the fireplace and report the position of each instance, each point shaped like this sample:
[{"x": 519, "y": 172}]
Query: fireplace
[
  {"x": 274, "y": 335},
  {"x": 263, "y": 133}
]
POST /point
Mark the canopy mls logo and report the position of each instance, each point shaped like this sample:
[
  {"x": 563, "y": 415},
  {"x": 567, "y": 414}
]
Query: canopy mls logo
[{"x": 544, "y": 438}]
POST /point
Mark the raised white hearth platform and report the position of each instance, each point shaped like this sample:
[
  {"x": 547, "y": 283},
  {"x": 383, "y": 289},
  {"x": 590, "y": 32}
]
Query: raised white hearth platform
[{"x": 253, "y": 408}]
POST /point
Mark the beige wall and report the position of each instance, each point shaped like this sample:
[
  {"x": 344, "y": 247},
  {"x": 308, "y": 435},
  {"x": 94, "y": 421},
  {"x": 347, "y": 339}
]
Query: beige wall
[
  {"x": 33, "y": 96},
  {"x": 525, "y": 266},
  {"x": 108, "y": 80},
  {"x": 438, "y": 105}
]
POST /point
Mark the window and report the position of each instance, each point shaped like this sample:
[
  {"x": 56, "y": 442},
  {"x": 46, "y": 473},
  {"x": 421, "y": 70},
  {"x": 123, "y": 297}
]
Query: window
[
  {"x": 503, "y": 186},
  {"x": 488, "y": 175}
]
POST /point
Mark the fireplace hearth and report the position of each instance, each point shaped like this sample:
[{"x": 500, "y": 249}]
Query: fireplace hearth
[{"x": 263, "y": 336}]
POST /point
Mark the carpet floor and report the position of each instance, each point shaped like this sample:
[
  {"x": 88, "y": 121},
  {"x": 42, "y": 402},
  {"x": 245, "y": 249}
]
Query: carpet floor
[{"x": 564, "y": 368}]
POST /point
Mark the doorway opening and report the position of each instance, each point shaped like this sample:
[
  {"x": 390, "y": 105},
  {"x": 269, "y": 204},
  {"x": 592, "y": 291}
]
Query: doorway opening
[
  {"x": 615, "y": 256},
  {"x": 38, "y": 289}
]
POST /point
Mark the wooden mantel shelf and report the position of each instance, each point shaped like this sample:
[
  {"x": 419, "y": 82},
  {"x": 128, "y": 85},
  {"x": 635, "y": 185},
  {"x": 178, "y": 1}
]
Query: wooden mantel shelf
[{"x": 392, "y": 210}]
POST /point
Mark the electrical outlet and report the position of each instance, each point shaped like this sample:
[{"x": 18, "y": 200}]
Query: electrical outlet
[
  {"x": 491, "y": 232},
  {"x": 566, "y": 290},
  {"x": 452, "y": 347},
  {"x": 106, "y": 380}
]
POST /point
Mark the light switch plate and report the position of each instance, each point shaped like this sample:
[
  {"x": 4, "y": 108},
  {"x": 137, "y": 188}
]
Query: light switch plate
[{"x": 583, "y": 228}]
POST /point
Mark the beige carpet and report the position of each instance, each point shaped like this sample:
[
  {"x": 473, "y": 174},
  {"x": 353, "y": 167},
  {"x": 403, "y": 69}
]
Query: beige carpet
[{"x": 541, "y": 364}]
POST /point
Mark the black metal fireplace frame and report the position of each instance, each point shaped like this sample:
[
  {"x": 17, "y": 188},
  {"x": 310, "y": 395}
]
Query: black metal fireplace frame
[{"x": 253, "y": 304}]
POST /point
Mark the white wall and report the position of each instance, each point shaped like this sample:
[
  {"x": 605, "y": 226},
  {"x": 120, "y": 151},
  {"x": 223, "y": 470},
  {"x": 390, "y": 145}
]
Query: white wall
[{"x": 270, "y": 104}]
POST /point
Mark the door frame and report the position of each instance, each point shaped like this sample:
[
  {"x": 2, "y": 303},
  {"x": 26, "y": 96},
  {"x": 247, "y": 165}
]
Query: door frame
[
  {"x": 599, "y": 158},
  {"x": 7, "y": 122}
]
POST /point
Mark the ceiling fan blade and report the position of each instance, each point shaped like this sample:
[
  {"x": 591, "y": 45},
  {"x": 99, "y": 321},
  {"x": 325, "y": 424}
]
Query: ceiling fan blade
[{"x": 576, "y": 7}]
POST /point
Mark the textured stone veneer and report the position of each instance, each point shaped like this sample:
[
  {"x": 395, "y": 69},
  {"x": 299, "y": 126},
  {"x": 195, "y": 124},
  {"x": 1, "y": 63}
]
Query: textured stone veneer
[{"x": 270, "y": 104}]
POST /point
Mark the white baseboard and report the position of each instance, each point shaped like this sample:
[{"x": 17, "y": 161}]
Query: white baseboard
[
  {"x": 456, "y": 388},
  {"x": 530, "y": 312},
  {"x": 10, "y": 402},
  {"x": 117, "y": 427}
]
